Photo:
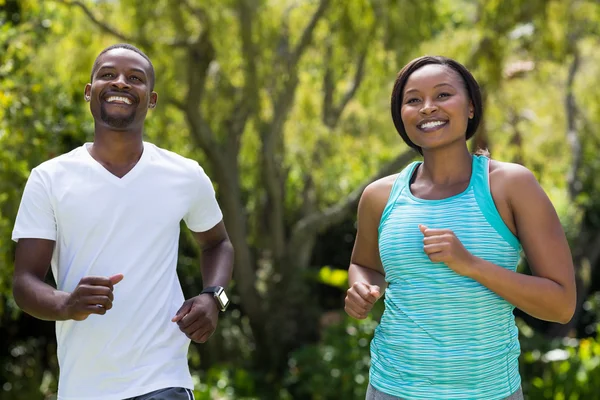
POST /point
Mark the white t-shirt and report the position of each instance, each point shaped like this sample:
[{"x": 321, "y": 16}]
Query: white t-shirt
[{"x": 104, "y": 225}]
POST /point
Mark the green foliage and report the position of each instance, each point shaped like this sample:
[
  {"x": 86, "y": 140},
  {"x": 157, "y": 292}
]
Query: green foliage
[
  {"x": 337, "y": 367},
  {"x": 565, "y": 369},
  {"x": 219, "y": 382},
  {"x": 47, "y": 52},
  {"x": 39, "y": 119},
  {"x": 334, "y": 277},
  {"x": 25, "y": 371}
]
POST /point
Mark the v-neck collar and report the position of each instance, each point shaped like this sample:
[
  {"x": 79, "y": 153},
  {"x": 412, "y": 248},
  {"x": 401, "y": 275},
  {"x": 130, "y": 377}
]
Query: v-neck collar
[{"x": 129, "y": 176}]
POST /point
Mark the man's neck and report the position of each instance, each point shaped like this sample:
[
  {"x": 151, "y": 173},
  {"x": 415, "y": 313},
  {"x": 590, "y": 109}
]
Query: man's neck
[{"x": 117, "y": 148}]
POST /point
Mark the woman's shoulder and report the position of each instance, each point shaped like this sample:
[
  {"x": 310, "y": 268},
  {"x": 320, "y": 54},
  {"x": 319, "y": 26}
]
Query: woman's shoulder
[
  {"x": 514, "y": 173},
  {"x": 382, "y": 184},
  {"x": 513, "y": 183},
  {"x": 513, "y": 187},
  {"x": 377, "y": 193}
]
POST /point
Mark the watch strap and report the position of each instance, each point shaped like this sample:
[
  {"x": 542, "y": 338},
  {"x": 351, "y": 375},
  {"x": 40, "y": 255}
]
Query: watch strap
[{"x": 211, "y": 289}]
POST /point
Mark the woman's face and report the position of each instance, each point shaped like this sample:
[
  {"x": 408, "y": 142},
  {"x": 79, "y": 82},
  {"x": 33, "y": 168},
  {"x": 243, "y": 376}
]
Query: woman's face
[{"x": 435, "y": 107}]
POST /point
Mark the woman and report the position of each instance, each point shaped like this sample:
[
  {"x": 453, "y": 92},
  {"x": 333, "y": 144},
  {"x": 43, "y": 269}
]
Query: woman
[{"x": 444, "y": 236}]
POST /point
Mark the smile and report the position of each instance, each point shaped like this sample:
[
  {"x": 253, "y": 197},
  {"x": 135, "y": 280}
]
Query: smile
[
  {"x": 118, "y": 100},
  {"x": 431, "y": 125}
]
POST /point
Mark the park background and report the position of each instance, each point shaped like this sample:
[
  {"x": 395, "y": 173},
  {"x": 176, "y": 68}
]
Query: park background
[{"x": 285, "y": 103}]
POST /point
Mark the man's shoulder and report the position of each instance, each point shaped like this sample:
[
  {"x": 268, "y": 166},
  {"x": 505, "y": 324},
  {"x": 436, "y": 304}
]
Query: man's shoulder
[
  {"x": 61, "y": 162},
  {"x": 171, "y": 158}
]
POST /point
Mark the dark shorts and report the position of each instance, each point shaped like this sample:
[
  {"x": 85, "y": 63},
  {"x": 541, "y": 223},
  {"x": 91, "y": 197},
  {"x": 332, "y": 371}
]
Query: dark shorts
[
  {"x": 167, "y": 394},
  {"x": 374, "y": 394}
]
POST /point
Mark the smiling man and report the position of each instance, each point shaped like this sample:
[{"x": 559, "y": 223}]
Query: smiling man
[{"x": 106, "y": 218}]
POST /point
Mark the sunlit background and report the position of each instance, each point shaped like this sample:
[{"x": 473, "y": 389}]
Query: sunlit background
[{"x": 285, "y": 103}]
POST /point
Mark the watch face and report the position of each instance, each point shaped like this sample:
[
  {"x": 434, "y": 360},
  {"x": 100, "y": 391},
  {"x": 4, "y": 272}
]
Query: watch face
[{"x": 223, "y": 298}]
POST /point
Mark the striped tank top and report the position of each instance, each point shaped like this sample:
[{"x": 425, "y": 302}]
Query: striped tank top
[{"x": 442, "y": 335}]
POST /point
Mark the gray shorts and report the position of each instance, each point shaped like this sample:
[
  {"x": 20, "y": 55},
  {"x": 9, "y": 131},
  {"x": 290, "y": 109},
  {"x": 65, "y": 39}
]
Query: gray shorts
[
  {"x": 167, "y": 394},
  {"x": 374, "y": 394}
]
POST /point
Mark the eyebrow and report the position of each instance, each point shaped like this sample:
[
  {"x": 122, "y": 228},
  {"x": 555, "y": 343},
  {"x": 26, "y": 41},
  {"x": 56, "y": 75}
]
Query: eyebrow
[
  {"x": 436, "y": 86},
  {"x": 141, "y": 71}
]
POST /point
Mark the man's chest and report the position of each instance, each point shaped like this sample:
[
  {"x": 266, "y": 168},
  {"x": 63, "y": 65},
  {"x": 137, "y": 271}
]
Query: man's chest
[{"x": 94, "y": 204}]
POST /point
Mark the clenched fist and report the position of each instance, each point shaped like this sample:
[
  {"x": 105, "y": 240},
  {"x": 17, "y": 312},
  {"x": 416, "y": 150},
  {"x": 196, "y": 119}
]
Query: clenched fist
[
  {"x": 360, "y": 299},
  {"x": 93, "y": 295},
  {"x": 442, "y": 245},
  {"x": 198, "y": 317}
]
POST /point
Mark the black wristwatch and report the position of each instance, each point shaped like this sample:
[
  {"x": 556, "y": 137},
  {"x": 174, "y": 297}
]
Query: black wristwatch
[{"x": 219, "y": 294}]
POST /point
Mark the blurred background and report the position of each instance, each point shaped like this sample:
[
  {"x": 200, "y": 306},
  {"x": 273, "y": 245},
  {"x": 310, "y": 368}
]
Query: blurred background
[{"x": 285, "y": 103}]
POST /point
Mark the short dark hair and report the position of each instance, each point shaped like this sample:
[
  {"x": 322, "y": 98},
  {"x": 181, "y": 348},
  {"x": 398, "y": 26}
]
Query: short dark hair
[
  {"x": 469, "y": 81},
  {"x": 125, "y": 46}
]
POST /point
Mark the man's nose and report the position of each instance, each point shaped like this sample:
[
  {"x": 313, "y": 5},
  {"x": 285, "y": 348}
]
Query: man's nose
[{"x": 121, "y": 82}]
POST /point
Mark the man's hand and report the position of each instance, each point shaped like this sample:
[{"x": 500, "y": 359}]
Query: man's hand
[
  {"x": 442, "y": 245},
  {"x": 360, "y": 299},
  {"x": 93, "y": 295},
  {"x": 198, "y": 317}
]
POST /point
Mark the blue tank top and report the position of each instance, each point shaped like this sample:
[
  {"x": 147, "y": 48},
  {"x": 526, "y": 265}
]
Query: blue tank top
[{"x": 442, "y": 335}]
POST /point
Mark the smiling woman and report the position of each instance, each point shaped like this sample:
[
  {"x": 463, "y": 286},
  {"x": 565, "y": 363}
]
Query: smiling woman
[
  {"x": 450, "y": 79},
  {"x": 443, "y": 238}
]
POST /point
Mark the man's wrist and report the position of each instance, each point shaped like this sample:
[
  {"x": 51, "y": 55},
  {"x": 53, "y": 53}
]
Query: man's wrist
[
  {"x": 219, "y": 295},
  {"x": 62, "y": 308},
  {"x": 212, "y": 300}
]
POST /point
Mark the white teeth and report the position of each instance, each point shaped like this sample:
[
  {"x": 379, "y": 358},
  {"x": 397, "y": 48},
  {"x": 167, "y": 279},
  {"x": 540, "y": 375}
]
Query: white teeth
[
  {"x": 432, "y": 124},
  {"x": 120, "y": 99}
]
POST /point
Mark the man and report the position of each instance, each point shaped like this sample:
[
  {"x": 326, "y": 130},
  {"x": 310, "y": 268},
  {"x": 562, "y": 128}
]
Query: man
[{"x": 106, "y": 218}]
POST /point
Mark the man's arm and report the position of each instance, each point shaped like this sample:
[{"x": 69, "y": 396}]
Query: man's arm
[
  {"x": 33, "y": 295},
  {"x": 217, "y": 256},
  {"x": 198, "y": 316}
]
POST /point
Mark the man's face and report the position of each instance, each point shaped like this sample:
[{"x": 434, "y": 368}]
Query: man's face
[{"x": 120, "y": 93}]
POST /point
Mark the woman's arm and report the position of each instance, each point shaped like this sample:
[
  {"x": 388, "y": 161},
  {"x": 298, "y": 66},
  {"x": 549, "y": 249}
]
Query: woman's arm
[
  {"x": 365, "y": 274},
  {"x": 549, "y": 294}
]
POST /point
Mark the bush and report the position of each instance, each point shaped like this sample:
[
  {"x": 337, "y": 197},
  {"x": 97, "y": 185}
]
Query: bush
[
  {"x": 568, "y": 372},
  {"x": 337, "y": 367},
  {"x": 562, "y": 369},
  {"x": 23, "y": 373}
]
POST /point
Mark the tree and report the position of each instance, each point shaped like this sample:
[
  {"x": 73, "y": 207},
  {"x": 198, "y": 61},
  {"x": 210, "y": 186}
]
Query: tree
[
  {"x": 286, "y": 104},
  {"x": 240, "y": 95},
  {"x": 29, "y": 135}
]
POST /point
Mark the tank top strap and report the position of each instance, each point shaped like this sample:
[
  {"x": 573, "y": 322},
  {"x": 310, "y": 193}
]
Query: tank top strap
[
  {"x": 481, "y": 172},
  {"x": 483, "y": 195},
  {"x": 400, "y": 184}
]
